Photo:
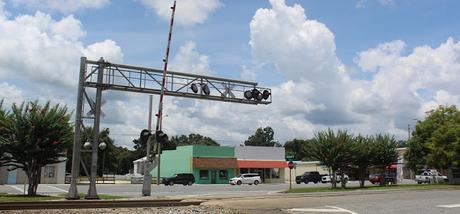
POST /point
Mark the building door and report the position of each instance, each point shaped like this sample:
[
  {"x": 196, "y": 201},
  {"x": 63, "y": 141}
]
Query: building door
[
  {"x": 12, "y": 177},
  {"x": 213, "y": 176}
]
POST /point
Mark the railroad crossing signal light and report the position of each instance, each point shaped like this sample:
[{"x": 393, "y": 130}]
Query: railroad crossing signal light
[
  {"x": 257, "y": 95},
  {"x": 266, "y": 94},
  {"x": 248, "y": 95},
  {"x": 144, "y": 137},
  {"x": 204, "y": 88},
  {"x": 161, "y": 137},
  {"x": 194, "y": 88}
]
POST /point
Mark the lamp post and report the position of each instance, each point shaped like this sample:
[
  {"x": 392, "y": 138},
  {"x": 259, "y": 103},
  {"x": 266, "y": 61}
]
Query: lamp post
[{"x": 102, "y": 147}]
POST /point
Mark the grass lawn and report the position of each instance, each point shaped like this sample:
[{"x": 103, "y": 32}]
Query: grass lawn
[
  {"x": 390, "y": 187},
  {"x": 4, "y": 197}
]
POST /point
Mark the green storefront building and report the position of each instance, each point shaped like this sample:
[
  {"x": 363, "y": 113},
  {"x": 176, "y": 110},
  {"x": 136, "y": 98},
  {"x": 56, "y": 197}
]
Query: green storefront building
[{"x": 209, "y": 164}]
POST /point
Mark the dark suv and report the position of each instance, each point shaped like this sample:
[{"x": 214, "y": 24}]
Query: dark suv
[
  {"x": 180, "y": 178},
  {"x": 314, "y": 177}
]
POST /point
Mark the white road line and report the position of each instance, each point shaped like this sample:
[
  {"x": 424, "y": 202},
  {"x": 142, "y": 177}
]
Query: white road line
[
  {"x": 58, "y": 189},
  {"x": 449, "y": 206},
  {"x": 317, "y": 210},
  {"x": 16, "y": 188}
]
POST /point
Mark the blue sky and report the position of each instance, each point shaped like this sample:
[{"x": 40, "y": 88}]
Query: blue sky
[{"x": 360, "y": 68}]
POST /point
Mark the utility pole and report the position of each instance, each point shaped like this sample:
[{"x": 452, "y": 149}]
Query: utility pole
[
  {"x": 408, "y": 132},
  {"x": 147, "y": 182}
]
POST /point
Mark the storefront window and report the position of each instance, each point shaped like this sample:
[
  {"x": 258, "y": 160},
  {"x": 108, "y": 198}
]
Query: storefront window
[
  {"x": 223, "y": 174},
  {"x": 204, "y": 174},
  {"x": 275, "y": 172}
]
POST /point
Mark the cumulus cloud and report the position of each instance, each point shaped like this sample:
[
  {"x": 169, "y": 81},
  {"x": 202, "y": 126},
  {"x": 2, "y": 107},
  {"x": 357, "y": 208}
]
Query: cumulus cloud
[
  {"x": 10, "y": 94},
  {"x": 188, "y": 12},
  {"x": 189, "y": 60},
  {"x": 40, "y": 49},
  {"x": 405, "y": 86},
  {"x": 63, "y": 6},
  {"x": 372, "y": 59}
]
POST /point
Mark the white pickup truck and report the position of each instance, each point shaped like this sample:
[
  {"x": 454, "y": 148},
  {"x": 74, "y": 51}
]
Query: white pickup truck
[
  {"x": 430, "y": 176},
  {"x": 327, "y": 178}
]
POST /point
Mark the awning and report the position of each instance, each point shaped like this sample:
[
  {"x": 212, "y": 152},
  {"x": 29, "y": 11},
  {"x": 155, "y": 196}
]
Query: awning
[
  {"x": 218, "y": 163},
  {"x": 261, "y": 164}
]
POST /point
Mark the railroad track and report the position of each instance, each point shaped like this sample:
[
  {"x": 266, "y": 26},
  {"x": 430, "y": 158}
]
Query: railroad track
[{"x": 94, "y": 204}]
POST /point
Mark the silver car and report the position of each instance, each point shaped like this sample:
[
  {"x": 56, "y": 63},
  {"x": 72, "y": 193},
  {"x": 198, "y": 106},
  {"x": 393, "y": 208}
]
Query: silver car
[{"x": 247, "y": 178}]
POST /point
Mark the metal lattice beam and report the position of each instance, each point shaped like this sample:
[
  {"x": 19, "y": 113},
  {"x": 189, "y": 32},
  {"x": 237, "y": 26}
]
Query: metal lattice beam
[{"x": 146, "y": 80}]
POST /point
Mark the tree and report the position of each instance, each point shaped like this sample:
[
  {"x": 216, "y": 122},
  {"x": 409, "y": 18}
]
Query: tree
[
  {"x": 384, "y": 151},
  {"x": 300, "y": 149},
  {"x": 334, "y": 151},
  {"x": 3, "y": 134},
  {"x": 192, "y": 139},
  {"x": 362, "y": 155},
  {"x": 262, "y": 137},
  {"x": 436, "y": 140},
  {"x": 35, "y": 135}
]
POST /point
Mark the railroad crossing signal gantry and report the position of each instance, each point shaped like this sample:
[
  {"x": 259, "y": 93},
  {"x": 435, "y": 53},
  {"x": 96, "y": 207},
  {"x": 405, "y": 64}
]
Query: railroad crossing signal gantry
[{"x": 103, "y": 75}]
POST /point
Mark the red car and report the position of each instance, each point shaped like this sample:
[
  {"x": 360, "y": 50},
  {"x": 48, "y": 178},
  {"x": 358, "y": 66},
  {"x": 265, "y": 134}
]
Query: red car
[{"x": 378, "y": 178}]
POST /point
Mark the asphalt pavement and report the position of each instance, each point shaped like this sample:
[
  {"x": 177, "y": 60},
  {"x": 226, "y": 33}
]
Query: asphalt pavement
[
  {"x": 374, "y": 202},
  {"x": 134, "y": 190}
]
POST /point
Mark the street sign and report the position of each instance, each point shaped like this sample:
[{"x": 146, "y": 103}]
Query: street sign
[
  {"x": 291, "y": 165},
  {"x": 289, "y": 157}
]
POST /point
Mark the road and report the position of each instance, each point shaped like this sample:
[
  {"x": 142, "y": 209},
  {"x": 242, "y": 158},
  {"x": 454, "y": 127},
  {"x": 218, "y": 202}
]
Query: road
[
  {"x": 407, "y": 202},
  {"x": 134, "y": 190},
  {"x": 266, "y": 199}
]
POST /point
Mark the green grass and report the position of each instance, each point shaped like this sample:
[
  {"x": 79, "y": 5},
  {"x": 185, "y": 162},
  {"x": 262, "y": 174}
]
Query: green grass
[
  {"x": 5, "y": 197},
  {"x": 391, "y": 187},
  {"x": 101, "y": 196}
]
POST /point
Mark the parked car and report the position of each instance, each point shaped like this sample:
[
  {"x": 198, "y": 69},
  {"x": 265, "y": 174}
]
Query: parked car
[
  {"x": 307, "y": 177},
  {"x": 429, "y": 176},
  {"x": 378, "y": 178},
  {"x": 247, "y": 178},
  {"x": 327, "y": 178},
  {"x": 180, "y": 178}
]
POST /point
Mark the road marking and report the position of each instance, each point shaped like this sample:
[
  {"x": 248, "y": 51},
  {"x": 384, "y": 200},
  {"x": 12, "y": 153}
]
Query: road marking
[
  {"x": 16, "y": 188},
  {"x": 58, "y": 189},
  {"x": 331, "y": 209},
  {"x": 449, "y": 206}
]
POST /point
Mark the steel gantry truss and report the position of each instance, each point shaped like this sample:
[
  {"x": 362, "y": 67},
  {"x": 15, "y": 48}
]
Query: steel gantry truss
[{"x": 103, "y": 75}]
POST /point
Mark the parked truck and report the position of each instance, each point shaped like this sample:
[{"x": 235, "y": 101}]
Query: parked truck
[{"x": 430, "y": 176}]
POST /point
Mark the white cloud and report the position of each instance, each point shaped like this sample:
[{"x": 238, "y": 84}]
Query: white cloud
[
  {"x": 63, "y": 6},
  {"x": 189, "y": 60},
  {"x": 406, "y": 86},
  {"x": 39, "y": 49},
  {"x": 107, "y": 49},
  {"x": 372, "y": 59},
  {"x": 10, "y": 94},
  {"x": 188, "y": 12}
]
